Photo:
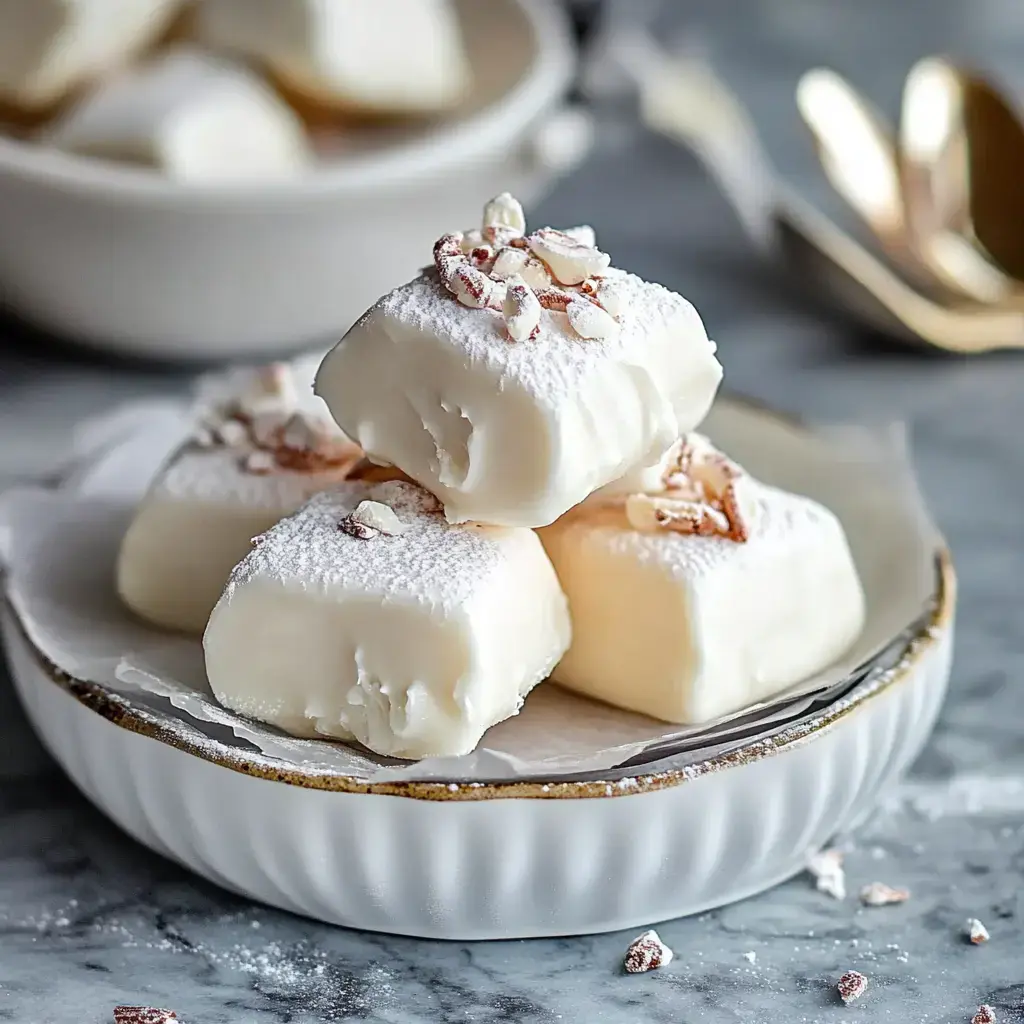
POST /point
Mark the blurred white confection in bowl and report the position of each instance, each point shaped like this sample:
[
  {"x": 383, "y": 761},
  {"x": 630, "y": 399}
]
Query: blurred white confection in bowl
[{"x": 126, "y": 259}]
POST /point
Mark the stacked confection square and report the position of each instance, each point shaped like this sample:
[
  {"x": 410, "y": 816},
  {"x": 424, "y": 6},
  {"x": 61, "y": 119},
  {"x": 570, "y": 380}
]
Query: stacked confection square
[{"x": 509, "y": 489}]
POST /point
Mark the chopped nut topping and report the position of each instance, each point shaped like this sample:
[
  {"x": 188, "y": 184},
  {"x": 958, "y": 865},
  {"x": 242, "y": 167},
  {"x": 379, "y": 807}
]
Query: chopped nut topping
[
  {"x": 985, "y": 1015},
  {"x": 535, "y": 274},
  {"x": 570, "y": 261},
  {"x": 509, "y": 261},
  {"x": 827, "y": 869},
  {"x": 282, "y": 436},
  {"x": 589, "y": 320},
  {"x": 522, "y": 310},
  {"x": 647, "y": 953},
  {"x": 878, "y": 894},
  {"x": 505, "y": 211},
  {"x": 375, "y": 515},
  {"x": 143, "y": 1015},
  {"x": 851, "y": 986},
  {"x": 358, "y": 530},
  {"x": 976, "y": 931},
  {"x": 699, "y": 498},
  {"x": 473, "y": 266}
]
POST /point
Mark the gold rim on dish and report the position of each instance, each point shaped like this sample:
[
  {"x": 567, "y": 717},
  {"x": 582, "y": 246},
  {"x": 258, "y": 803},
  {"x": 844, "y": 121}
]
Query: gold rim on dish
[{"x": 119, "y": 712}]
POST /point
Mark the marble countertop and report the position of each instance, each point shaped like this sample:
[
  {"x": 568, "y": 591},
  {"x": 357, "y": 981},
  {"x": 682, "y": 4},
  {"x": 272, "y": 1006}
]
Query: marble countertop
[{"x": 89, "y": 919}]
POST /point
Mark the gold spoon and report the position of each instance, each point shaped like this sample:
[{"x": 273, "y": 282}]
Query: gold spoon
[
  {"x": 860, "y": 159},
  {"x": 857, "y": 153},
  {"x": 683, "y": 99},
  {"x": 995, "y": 172},
  {"x": 935, "y": 167}
]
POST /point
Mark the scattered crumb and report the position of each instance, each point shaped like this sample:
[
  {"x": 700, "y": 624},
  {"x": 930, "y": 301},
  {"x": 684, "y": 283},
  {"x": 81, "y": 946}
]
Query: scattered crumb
[
  {"x": 750, "y": 957},
  {"x": 827, "y": 869},
  {"x": 852, "y": 985},
  {"x": 976, "y": 931},
  {"x": 143, "y": 1015},
  {"x": 646, "y": 953},
  {"x": 878, "y": 894},
  {"x": 985, "y": 1015}
]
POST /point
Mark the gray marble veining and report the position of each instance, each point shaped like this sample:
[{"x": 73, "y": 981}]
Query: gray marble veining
[{"x": 89, "y": 919}]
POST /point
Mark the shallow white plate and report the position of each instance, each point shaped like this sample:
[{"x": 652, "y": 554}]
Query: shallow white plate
[
  {"x": 124, "y": 259},
  {"x": 524, "y": 858}
]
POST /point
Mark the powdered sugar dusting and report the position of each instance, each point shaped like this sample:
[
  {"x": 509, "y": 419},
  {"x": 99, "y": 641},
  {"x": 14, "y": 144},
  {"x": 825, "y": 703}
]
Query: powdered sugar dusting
[
  {"x": 551, "y": 366},
  {"x": 217, "y": 476},
  {"x": 777, "y": 520},
  {"x": 431, "y": 560}
]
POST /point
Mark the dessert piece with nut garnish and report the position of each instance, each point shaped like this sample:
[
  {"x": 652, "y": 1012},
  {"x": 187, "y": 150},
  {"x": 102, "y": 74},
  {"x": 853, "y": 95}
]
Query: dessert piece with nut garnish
[
  {"x": 521, "y": 372},
  {"x": 263, "y": 443},
  {"x": 367, "y": 616},
  {"x": 384, "y": 57},
  {"x": 696, "y": 590}
]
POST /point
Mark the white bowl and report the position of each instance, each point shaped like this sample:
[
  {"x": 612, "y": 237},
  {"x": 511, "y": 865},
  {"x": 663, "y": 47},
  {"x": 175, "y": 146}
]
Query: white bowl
[
  {"x": 125, "y": 260},
  {"x": 516, "y": 858}
]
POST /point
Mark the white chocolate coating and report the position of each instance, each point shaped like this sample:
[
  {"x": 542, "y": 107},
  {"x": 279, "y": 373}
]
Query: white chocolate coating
[
  {"x": 196, "y": 522},
  {"x": 413, "y": 643},
  {"x": 384, "y": 56},
  {"x": 193, "y": 117},
  {"x": 516, "y": 433},
  {"x": 687, "y": 628},
  {"x": 48, "y": 47}
]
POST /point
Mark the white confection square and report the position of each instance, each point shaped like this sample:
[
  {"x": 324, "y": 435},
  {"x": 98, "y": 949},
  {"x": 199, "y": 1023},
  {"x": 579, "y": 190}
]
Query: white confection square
[
  {"x": 48, "y": 47},
  {"x": 384, "y": 55},
  {"x": 688, "y": 628},
  {"x": 200, "y": 514},
  {"x": 517, "y": 433},
  {"x": 192, "y": 116},
  {"x": 413, "y": 643}
]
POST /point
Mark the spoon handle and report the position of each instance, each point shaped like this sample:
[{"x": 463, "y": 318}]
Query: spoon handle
[{"x": 681, "y": 98}]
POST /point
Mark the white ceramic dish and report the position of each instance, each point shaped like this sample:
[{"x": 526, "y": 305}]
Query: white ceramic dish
[
  {"x": 519, "y": 858},
  {"x": 125, "y": 260}
]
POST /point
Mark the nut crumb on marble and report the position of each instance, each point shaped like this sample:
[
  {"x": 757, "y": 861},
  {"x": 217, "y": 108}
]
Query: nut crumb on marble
[
  {"x": 878, "y": 894},
  {"x": 851, "y": 986},
  {"x": 143, "y": 1015},
  {"x": 826, "y": 867},
  {"x": 646, "y": 953},
  {"x": 976, "y": 931},
  {"x": 985, "y": 1015},
  {"x": 750, "y": 957}
]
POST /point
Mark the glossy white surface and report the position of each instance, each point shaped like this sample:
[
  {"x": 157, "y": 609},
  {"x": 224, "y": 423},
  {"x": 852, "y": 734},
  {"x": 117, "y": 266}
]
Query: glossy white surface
[{"x": 121, "y": 259}]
